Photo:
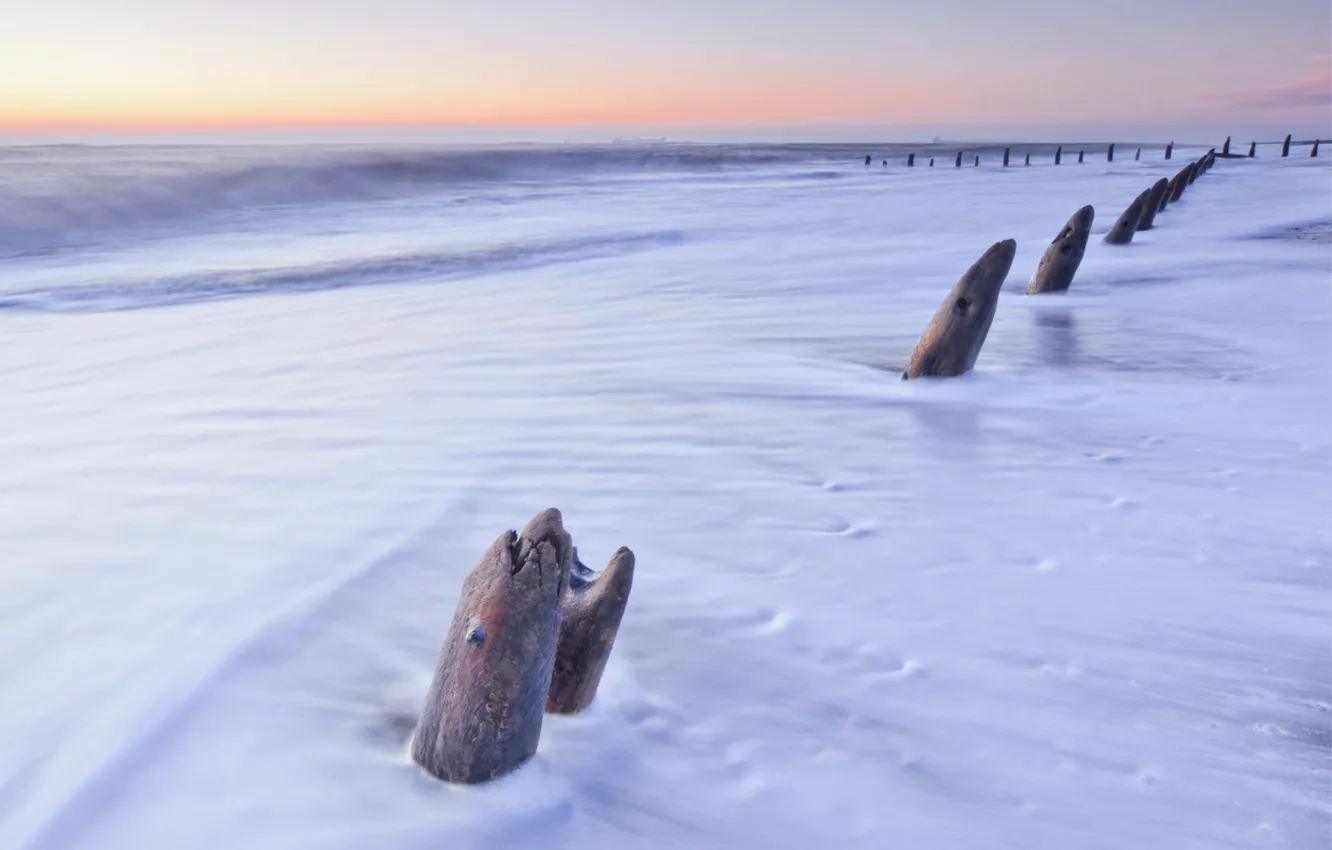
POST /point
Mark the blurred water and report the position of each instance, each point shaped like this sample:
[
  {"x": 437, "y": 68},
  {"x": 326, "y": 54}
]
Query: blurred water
[{"x": 263, "y": 417}]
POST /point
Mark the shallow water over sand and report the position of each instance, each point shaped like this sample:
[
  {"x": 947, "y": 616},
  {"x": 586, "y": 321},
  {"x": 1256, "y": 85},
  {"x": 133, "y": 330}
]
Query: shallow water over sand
[{"x": 1076, "y": 598}]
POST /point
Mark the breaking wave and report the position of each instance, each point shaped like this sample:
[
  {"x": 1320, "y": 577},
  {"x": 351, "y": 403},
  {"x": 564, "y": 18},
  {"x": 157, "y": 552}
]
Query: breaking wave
[{"x": 60, "y": 197}]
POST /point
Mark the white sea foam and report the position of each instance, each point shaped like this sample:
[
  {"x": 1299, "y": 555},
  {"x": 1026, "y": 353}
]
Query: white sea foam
[{"x": 1076, "y": 599}]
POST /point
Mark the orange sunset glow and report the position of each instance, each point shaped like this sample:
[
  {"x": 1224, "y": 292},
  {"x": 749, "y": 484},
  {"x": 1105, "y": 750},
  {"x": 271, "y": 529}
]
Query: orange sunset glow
[{"x": 145, "y": 64}]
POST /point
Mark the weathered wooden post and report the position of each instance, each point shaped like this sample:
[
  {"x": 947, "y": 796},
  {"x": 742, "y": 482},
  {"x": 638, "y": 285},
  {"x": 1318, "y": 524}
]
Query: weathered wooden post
[
  {"x": 958, "y": 163},
  {"x": 1253, "y": 149},
  {"x": 591, "y": 610},
  {"x": 1110, "y": 153},
  {"x": 1059, "y": 153},
  {"x": 1181, "y": 182},
  {"x": 1028, "y": 162},
  {"x": 1006, "y": 153},
  {"x": 868, "y": 159},
  {"x": 977, "y": 160},
  {"x": 911, "y": 160},
  {"x": 1169, "y": 193},
  {"x": 1170, "y": 148},
  {"x": 1285, "y": 148},
  {"x": 1137, "y": 155},
  {"x": 1080, "y": 153},
  {"x": 1121, "y": 233},
  {"x": 952, "y": 341},
  {"x": 1314, "y": 152},
  {"x": 1061, "y": 260},
  {"x": 1193, "y": 171},
  {"x": 931, "y": 162},
  {"x": 482, "y": 715},
  {"x": 1153, "y": 204},
  {"x": 1225, "y": 149}
]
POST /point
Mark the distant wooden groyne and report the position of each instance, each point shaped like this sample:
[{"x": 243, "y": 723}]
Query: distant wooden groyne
[{"x": 1037, "y": 153}]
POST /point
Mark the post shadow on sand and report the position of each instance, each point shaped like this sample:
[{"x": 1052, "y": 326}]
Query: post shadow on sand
[
  {"x": 1056, "y": 336},
  {"x": 946, "y": 428}
]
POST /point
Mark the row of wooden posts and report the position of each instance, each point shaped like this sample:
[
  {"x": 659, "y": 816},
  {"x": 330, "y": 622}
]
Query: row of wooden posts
[
  {"x": 953, "y": 339},
  {"x": 534, "y": 627},
  {"x": 1110, "y": 153}
]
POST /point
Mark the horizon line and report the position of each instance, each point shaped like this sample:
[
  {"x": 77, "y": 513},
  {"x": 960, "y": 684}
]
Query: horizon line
[{"x": 644, "y": 133}]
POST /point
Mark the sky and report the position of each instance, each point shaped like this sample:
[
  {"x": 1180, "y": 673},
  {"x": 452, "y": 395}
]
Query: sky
[{"x": 1039, "y": 68}]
